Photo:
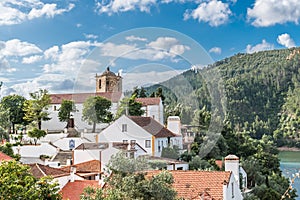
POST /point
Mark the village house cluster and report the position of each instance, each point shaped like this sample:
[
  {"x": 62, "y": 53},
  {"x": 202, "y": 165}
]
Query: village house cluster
[{"x": 77, "y": 157}]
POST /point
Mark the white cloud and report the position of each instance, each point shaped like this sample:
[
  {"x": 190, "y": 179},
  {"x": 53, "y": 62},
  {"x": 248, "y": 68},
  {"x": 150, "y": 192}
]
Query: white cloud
[
  {"x": 259, "y": 47},
  {"x": 116, "y": 50},
  {"x": 286, "y": 40},
  {"x": 51, "y": 53},
  {"x": 270, "y": 12},
  {"x": 132, "y": 38},
  {"x": 48, "y": 10},
  {"x": 161, "y": 48},
  {"x": 115, "y": 6},
  {"x": 133, "y": 79},
  {"x": 68, "y": 58},
  {"x": 216, "y": 50},
  {"x": 15, "y": 47},
  {"x": 31, "y": 59},
  {"x": 78, "y": 25},
  {"x": 214, "y": 13},
  {"x": 16, "y": 12},
  {"x": 90, "y": 36}
]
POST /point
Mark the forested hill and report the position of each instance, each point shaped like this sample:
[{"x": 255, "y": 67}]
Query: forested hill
[{"x": 262, "y": 91}]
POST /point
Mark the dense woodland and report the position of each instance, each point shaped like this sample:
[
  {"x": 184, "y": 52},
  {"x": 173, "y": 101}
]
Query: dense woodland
[{"x": 260, "y": 96}]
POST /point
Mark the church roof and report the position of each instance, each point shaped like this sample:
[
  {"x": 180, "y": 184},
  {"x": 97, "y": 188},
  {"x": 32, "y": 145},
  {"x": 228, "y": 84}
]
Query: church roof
[
  {"x": 108, "y": 73},
  {"x": 81, "y": 97},
  {"x": 149, "y": 101}
]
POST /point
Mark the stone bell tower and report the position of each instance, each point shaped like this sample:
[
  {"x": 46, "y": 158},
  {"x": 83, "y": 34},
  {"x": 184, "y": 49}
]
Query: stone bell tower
[{"x": 108, "y": 82}]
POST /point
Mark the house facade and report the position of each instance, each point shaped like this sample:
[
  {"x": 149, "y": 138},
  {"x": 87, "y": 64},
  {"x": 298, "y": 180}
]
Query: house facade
[
  {"x": 153, "y": 107},
  {"x": 145, "y": 131}
]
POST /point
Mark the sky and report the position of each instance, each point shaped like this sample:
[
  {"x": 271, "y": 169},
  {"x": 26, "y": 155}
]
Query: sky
[{"x": 60, "y": 45}]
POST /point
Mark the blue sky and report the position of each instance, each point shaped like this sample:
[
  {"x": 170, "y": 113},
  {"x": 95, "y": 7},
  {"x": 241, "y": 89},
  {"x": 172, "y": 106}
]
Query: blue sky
[{"x": 60, "y": 45}]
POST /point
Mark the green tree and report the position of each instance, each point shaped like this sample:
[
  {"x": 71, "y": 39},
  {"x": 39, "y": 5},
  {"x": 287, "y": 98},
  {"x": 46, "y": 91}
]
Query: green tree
[
  {"x": 16, "y": 182},
  {"x": 7, "y": 149},
  {"x": 65, "y": 110},
  {"x": 129, "y": 106},
  {"x": 36, "y": 134},
  {"x": 143, "y": 93},
  {"x": 96, "y": 110},
  {"x": 12, "y": 106},
  {"x": 36, "y": 108},
  {"x": 197, "y": 163},
  {"x": 128, "y": 181},
  {"x": 170, "y": 152}
]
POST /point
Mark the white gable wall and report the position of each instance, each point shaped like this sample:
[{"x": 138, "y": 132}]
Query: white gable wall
[
  {"x": 231, "y": 190},
  {"x": 114, "y": 133},
  {"x": 154, "y": 111}
]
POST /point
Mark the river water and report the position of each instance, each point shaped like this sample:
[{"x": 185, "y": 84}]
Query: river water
[{"x": 290, "y": 165}]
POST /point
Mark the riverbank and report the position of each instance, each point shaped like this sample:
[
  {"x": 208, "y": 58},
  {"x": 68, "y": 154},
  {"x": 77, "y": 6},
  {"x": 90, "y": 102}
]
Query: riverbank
[{"x": 294, "y": 149}]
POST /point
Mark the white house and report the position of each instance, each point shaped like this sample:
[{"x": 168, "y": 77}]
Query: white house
[
  {"x": 153, "y": 107},
  {"x": 232, "y": 164},
  {"x": 104, "y": 151},
  {"x": 145, "y": 131}
]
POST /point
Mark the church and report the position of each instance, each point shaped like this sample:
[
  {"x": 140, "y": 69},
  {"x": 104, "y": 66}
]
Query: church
[{"x": 107, "y": 85}]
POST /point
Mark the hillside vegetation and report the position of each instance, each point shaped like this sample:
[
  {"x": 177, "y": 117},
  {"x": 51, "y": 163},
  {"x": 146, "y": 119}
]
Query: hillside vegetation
[{"x": 262, "y": 93}]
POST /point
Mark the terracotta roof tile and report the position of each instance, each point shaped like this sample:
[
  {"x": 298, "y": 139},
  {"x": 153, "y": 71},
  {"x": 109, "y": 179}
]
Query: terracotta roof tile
[
  {"x": 149, "y": 101},
  {"x": 81, "y": 97},
  {"x": 73, "y": 190},
  {"x": 4, "y": 157},
  {"x": 39, "y": 170},
  {"x": 152, "y": 126},
  {"x": 85, "y": 167},
  {"x": 191, "y": 184}
]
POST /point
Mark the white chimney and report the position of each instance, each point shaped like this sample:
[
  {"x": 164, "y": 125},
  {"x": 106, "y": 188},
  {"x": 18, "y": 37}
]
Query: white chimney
[
  {"x": 72, "y": 173},
  {"x": 174, "y": 124},
  {"x": 232, "y": 164}
]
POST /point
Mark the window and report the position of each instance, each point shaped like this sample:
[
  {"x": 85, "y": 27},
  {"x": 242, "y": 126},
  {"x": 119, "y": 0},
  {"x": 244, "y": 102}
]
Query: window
[
  {"x": 100, "y": 84},
  {"x": 232, "y": 189},
  {"x": 125, "y": 141},
  {"x": 124, "y": 127},
  {"x": 158, "y": 146},
  {"x": 147, "y": 143}
]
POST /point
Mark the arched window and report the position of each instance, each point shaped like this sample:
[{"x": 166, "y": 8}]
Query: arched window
[{"x": 100, "y": 84}]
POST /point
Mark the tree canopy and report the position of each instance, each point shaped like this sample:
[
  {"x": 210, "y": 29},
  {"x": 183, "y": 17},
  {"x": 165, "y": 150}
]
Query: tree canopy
[
  {"x": 128, "y": 181},
  {"x": 16, "y": 182},
  {"x": 36, "y": 108},
  {"x": 130, "y": 106},
  {"x": 12, "y": 110},
  {"x": 65, "y": 110},
  {"x": 96, "y": 110}
]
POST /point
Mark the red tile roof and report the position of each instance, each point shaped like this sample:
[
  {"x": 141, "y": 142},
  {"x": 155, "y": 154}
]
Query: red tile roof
[
  {"x": 39, "y": 170},
  {"x": 81, "y": 97},
  {"x": 88, "y": 166},
  {"x": 4, "y": 157},
  {"x": 219, "y": 163},
  {"x": 73, "y": 190},
  {"x": 192, "y": 184},
  {"x": 152, "y": 126},
  {"x": 149, "y": 101}
]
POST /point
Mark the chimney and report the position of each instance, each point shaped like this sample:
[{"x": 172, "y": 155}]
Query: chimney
[
  {"x": 72, "y": 173},
  {"x": 232, "y": 164},
  {"x": 174, "y": 124}
]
